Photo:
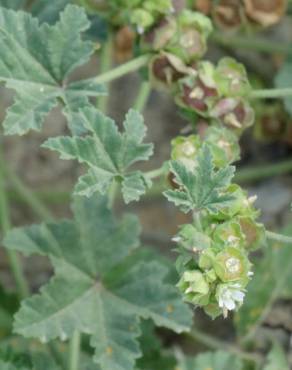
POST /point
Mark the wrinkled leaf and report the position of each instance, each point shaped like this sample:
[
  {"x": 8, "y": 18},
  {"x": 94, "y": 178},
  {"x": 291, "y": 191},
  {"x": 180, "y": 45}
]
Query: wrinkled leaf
[
  {"x": 108, "y": 153},
  {"x": 48, "y": 11},
  {"x": 202, "y": 188},
  {"x": 42, "y": 76},
  {"x": 94, "y": 289}
]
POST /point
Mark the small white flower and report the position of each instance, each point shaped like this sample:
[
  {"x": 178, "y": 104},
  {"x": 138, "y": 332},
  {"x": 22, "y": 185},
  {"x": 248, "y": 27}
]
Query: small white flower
[
  {"x": 176, "y": 239},
  {"x": 140, "y": 30},
  {"x": 230, "y": 296}
]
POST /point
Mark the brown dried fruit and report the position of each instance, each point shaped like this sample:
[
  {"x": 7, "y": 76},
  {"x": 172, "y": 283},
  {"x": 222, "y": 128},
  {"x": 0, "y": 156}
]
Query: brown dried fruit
[
  {"x": 203, "y": 6},
  {"x": 228, "y": 14},
  {"x": 124, "y": 42},
  {"x": 265, "y": 12}
]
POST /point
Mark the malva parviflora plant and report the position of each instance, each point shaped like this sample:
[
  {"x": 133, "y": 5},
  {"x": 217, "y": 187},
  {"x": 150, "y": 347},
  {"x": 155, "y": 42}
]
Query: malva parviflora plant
[{"x": 103, "y": 284}]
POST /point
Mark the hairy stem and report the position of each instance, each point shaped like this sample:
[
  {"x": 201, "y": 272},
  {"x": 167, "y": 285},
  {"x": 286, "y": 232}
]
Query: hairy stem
[
  {"x": 155, "y": 173},
  {"x": 124, "y": 69},
  {"x": 257, "y": 44},
  {"x": 278, "y": 237},
  {"x": 74, "y": 351},
  {"x": 14, "y": 260},
  {"x": 142, "y": 96},
  {"x": 105, "y": 66},
  {"x": 271, "y": 93}
]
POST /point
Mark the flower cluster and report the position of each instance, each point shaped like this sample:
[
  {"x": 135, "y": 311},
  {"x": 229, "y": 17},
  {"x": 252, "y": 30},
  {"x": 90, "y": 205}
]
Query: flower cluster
[
  {"x": 219, "y": 94},
  {"x": 213, "y": 252}
]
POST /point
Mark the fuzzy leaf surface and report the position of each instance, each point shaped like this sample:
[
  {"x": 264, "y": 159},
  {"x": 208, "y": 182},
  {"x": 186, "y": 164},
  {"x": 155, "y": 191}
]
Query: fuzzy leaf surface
[
  {"x": 38, "y": 70},
  {"x": 94, "y": 289},
  {"x": 108, "y": 153},
  {"x": 202, "y": 188}
]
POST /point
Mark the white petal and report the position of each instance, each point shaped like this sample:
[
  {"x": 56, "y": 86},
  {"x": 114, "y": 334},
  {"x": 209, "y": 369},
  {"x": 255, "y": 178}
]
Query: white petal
[
  {"x": 238, "y": 296},
  {"x": 229, "y": 304}
]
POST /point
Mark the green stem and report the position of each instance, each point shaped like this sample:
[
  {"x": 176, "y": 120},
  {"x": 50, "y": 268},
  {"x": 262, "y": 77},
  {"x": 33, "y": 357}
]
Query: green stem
[
  {"x": 278, "y": 237},
  {"x": 271, "y": 93},
  {"x": 105, "y": 66},
  {"x": 124, "y": 69},
  {"x": 74, "y": 351},
  {"x": 28, "y": 196},
  {"x": 260, "y": 45},
  {"x": 264, "y": 171},
  {"x": 216, "y": 344},
  {"x": 155, "y": 173},
  {"x": 112, "y": 194},
  {"x": 142, "y": 96},
  {"x": 14, "y": 260}
]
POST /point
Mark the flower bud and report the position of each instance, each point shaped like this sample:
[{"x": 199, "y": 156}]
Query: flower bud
[
  {"x": 265, "y": 12},
  {"x": 227, "y": 14},
  {"x": 229, "y": 233},
  {"x": 185, "y": 150},
  {"x": 191, "y": 39},
  {"x": 240, "y": 205},
  {"x": 231, "y": 78},
  {"x": 223, "y": 145},
  {"x": 195, "y": 287},
  {"x": 193, "y": 240},
  {"x": 232, "y": 265}
]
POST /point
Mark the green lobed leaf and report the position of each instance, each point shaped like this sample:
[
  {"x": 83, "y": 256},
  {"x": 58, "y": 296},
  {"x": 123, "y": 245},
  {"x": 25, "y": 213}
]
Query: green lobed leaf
[
  {"x": 276, "y": 359},
  {"x": 284, "y": 80},
  {"x": 48, "y": 11},
  {"x": 94, "y": 289},
  {"x": 42, "y": 76},
  {"x": 271, "y": 280},
  {"x": 203, "y": 188},
  {"x": 108, "y": 153},
  {"x": 219, "y": 360}
]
